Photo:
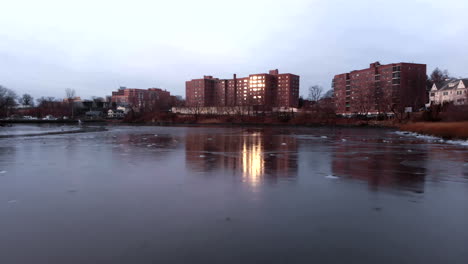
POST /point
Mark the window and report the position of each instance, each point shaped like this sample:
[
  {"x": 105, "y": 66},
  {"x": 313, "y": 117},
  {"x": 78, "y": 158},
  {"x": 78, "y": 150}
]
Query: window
[{"x": 445, "y": 93}]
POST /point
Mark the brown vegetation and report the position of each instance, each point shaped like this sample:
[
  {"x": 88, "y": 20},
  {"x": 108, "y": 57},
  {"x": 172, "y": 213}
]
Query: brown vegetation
[
  {"x": 309, "y": 118},
  {"x": 447, "y": 130}
]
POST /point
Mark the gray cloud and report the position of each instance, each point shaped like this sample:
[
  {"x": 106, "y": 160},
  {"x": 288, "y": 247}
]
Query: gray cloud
[{"x": 96, "y": 46}]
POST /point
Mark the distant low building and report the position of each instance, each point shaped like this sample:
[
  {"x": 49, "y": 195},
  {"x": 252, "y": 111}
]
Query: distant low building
[
  {"x": 142, "y": 99},
  {"x": 451, "y": 91},
  {"x": 115, "y": 113},
  {"x": 75, "y": 100},
  {"x": 123, "y": 109},
  {"x": 94, "y": 114}
]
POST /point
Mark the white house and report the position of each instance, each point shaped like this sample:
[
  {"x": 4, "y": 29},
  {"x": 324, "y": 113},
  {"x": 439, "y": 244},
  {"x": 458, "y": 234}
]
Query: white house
[{"x": 453, "y": 90}]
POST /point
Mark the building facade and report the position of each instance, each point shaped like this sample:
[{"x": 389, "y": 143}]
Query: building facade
[
  {"x": 265, "y": 89},
  {"x": 380, "y": 89},
  {"x": 451, "y": 91},
  {"x": 142, "y": 99}
]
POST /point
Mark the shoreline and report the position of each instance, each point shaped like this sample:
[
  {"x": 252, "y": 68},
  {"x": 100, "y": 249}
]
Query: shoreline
[
  {"x": 48, "y": 121},
  {"x": 354, "y": 123},
  {"x": 444, "y": 130},
  {"x": 164, "y": 124},
  {"x": 81, "y": 130}
]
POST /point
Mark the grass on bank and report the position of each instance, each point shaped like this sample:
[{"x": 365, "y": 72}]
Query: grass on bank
[{"x": 446, "y": 130}]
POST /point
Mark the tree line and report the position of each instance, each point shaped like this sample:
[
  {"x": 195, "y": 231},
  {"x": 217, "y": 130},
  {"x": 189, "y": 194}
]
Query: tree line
[{"x": 9, "y": 100}]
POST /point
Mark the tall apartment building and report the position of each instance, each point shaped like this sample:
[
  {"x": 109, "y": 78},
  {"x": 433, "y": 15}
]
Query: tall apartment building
[
  {"x": 265, "y": 89},
  {"x": 380, "y": 88},
  {"x": 151, "y": 99}
]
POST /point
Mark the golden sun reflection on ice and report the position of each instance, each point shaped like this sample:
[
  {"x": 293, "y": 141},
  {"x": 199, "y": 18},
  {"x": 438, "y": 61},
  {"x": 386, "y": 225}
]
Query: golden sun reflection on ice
[{"x": 252, "y": 159}]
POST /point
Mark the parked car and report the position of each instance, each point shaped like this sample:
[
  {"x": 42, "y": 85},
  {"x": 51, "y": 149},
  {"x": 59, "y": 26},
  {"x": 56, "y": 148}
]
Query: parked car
[
  {"x": 29, "y": 118},
  {"x": 49, "y": 117}
]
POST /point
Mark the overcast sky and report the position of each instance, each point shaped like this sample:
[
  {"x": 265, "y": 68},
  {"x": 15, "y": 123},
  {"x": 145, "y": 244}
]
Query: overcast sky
[{"x": 96, "y": 46}]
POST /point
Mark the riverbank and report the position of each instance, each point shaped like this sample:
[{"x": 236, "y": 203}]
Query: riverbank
[
  {"x": 278, "y": 119},
  {"x": 446, "y": 130},
  {"x": 39, "y": 121},
  {"x": 75, "y": 131}
]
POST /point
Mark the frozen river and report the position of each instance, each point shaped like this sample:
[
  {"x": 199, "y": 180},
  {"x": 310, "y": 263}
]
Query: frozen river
[{"x": 232, "y": 195}]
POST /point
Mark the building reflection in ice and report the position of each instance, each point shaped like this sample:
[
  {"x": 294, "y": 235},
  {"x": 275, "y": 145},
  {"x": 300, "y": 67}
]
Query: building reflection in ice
[
  {"x": 254, "y": 155},
  {"x": 381, "y": 164}
]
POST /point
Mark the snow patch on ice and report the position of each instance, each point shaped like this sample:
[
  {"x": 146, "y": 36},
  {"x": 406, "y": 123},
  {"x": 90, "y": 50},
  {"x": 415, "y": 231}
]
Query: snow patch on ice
[
  {"x": 432, "y": 138},
  {"x": 458, "y": 142}
]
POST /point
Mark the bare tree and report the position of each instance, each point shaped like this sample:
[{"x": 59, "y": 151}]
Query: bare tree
[
  {"x": 364, "y": 101},
  {"x": 328, "y": 94},
  {"x": 70, "y": 95},
  {"x": 51, "y": 106},
  {"x": 97, "y": 99},
  {"x": 27, "y": 99},
  {"x": 7, "y": 100},
  {"x": 315, "y": 92},
  {"x": 437, "y": 77}
]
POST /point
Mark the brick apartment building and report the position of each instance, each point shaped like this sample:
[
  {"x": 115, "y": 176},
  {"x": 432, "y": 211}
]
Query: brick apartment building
[
  {"x": 380, "y": 89},
  {"x": 265, "y": 89},
  {"x": 142, "y": 99}
]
